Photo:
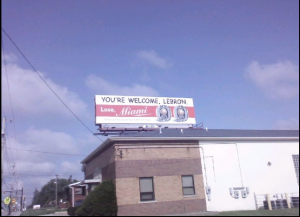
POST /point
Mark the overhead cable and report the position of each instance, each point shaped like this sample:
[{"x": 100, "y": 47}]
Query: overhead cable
[
  {"x": 46, "y": 152},
  {"x": 48, "y": 85}
]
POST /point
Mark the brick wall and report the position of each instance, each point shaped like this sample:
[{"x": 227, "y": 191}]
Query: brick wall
[
  {"x": 79, "y": 197},
  {"x": 166, "y": 166},
  {"x": 105, "y": 161},
  {"x": 159, "y": 153},
  {"x": 162, "y": 208},
  {"x": 166, "y": 188}
]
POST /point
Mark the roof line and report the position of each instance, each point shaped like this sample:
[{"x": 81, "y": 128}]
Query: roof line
[
  {"x": 200, "y": 139},
  {"x": 204, "y": 138}
]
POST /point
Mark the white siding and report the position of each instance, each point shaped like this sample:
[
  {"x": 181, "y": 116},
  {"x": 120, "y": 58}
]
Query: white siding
[{"x": 244, "y": 164}]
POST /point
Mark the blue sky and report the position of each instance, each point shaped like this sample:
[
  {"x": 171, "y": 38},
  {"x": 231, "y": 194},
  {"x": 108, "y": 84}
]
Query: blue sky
[{"x": 238, "y": 60}]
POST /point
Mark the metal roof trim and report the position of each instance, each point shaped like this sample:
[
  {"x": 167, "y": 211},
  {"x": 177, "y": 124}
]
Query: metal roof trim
[
  {"x": 206, "y": 138},
  {"x": 109, "y": 140}
]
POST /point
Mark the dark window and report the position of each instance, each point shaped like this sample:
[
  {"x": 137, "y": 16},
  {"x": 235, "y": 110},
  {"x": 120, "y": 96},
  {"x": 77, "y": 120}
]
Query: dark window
[
  {"x": 188, "y": 185},
  {"x": 146, "y": 189},
  {"x": 80, "y": 191}
]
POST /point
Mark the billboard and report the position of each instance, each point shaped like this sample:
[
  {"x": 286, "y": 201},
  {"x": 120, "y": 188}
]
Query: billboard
[{"x": 144, "y": 110}]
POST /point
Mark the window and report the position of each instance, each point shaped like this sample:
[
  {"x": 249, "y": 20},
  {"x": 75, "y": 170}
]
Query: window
[
  {"x": 296, "y": 164},
  {"x": 80, "y": 191},
  {"x": 188, "y": 185},
  {"x": 97, "y": 174},
  {"x": 146, "y": 189},
  {"x": 93, "y": 186}
]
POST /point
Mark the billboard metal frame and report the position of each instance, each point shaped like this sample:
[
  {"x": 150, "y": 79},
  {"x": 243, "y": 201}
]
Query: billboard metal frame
[{"x": 160, "y": 112}]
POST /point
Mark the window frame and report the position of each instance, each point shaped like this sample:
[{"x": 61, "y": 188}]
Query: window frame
[
  {"x": 147, "y": 193},
  {"x": 97, "y": 173},
  {"x": 189, "y": 187},
  {"x": 80, "y": 191}
]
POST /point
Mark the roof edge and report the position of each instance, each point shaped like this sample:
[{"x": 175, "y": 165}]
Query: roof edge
[
  {"x": 206, "y": 138},
  {"x": 102, "y": 146},
  {"x": 109, "y": 140}
]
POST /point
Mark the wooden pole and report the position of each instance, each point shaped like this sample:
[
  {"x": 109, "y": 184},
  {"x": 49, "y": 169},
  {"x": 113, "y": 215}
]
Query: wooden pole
[
  {"x": 22, "y": 200},
  {"x": 288, "y": 200},
  {"x": 269, "y": 202}
]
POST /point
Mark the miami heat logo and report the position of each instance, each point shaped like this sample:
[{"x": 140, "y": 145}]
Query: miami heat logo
[
  {"x": 181, "y": 113},
  {"x": 163, "y": 113}
]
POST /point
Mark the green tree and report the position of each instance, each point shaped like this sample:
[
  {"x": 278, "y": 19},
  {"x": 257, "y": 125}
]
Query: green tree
[
  {"x": 47, "y": 194},
  {"x": 102, "y": 201},
  {"x": 35, "y": 196}
]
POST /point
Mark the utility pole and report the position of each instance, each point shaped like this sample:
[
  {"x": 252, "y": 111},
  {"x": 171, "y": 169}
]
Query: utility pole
[
  {"x": 22, "y": 201},
  {"x": 9, "y": 205},
  {"x": 2, "y": 147},
  {"x": 56, "y": 193}
]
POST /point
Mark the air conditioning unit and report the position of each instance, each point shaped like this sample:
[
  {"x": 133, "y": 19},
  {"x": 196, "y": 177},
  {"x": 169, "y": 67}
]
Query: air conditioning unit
[
  {"x": 244, "y": 194},
  {"x": 236, "y": 194}
]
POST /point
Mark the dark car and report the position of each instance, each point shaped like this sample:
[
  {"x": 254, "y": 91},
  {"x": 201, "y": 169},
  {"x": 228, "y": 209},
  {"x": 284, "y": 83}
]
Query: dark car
[{"x": 78, "y": 203}]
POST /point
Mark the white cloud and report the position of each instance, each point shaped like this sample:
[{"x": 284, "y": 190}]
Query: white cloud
[
  {"x": 278, "y": 81},
  {"x": 27, "y": 159},
  {"x": 30, "y": 95},
  {"x": 71, "y": 167},
  {"x": 35, "y": 169},
  {"x": 47, "y": 140},
  {"x": 290, "y": 124},
  {"x": 9, "y": 58},
  {"x": 101, "y": 86},
  {"x": 152, "y": 58}
]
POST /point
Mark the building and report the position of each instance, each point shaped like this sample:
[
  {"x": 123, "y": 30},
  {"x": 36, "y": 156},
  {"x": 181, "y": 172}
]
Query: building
[
  {"x": 77, "y": 192},
  {"x": 175, "y": 171}
]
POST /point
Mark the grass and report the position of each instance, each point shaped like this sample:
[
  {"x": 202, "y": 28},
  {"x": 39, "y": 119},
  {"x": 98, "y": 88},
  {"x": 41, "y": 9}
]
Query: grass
[
  {"x": 278, "y": 212},
  {"x": 43, "y": 211}
]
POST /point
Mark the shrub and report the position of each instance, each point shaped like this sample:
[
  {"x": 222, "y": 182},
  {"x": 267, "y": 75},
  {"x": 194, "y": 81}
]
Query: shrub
[
  {"x": 30, "y": 207},
  {"x": 71, "y": 210},
  {"x": 102, "y": 201}
]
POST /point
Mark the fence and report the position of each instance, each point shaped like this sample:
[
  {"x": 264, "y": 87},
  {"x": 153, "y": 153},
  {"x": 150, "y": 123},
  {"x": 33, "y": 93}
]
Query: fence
[{"x": 277, "y": 200}]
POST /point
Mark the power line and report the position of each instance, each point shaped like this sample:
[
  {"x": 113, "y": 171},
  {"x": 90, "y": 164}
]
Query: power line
[
  {"x": 6, "y": 184},
  {"x": 3, "y": 111},
  {"x": 7, "y": 158},
  {"x": 12, "y": 111},
  {"x": 56, "y": 163},
  {"x": 45, "y": 175},
  {"x": 14, "y": 163},
  {"x": 10, "y": 100},
  {"x": 8, "y": 142},
  {"x": 48, "y": 85},
  {"x": 46, "y": 152}
]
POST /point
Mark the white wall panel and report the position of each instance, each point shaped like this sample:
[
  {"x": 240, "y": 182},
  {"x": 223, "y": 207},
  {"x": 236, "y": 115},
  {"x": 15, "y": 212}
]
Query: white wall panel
[{"x": 246, "y": 165}]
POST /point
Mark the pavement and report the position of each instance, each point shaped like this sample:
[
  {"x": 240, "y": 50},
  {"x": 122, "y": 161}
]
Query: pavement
[
  {"x": 186, "y": 214},
  {"x": 196, "y": 214},
  {"x": 64, "y": 213},
  {"x": 5, "y": 213},
  {"x": 18, "y": 213}
]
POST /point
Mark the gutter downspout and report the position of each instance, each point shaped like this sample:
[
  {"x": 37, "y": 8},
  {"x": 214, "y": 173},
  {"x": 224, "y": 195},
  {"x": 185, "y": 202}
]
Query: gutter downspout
[
  {"x": 238, "y": 155},
  {"x": 203, "y": 163}
]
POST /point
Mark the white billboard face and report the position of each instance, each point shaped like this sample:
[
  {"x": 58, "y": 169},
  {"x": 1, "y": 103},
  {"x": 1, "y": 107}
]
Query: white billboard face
[{"x": 144, "y": 110}]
